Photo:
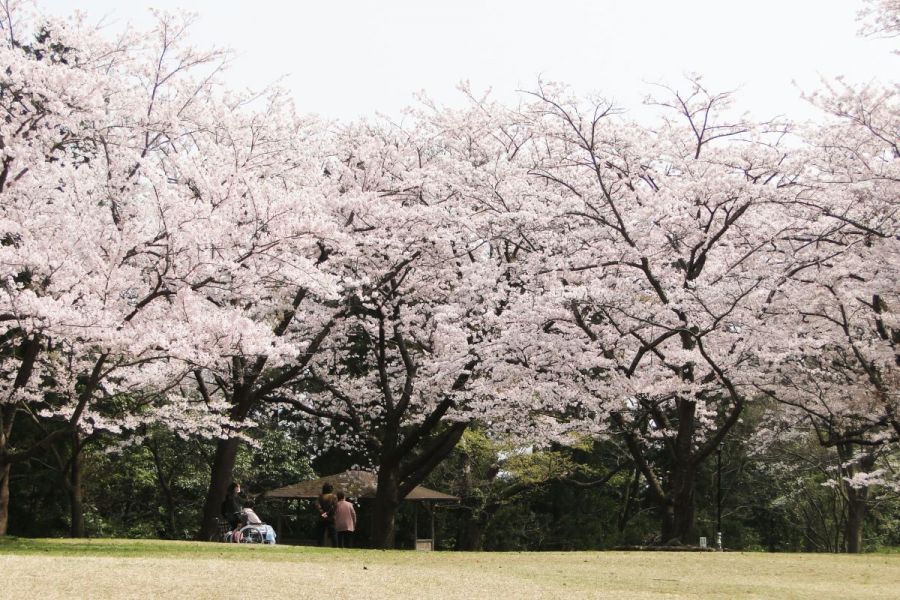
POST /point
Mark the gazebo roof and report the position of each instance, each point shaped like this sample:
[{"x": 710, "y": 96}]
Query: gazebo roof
[{"x": 356, "y": 484}]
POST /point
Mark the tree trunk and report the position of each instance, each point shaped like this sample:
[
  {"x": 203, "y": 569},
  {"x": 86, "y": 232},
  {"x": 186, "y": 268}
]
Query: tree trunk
[
  {"x": 857, "y": 508},
  {"x": 171, "y": 516},
  {"x": 76, "y": 490},
  {"x": 683, "y": 484},
  {"x": 857, "y": 505},
  {"x": 386, "y": 502},
  {"x": 7, "y": 415},
  {"x": 4, "y": 497},
  {"x": 171, "y": 522},
  {"x": 468, "y": 534},
  {"x": 220, "y": 478},
  {"x": 471, "y": 531},
  {"x": 30, "y": 348},
  {"x": 164, "y": 481},
  {"x": 667, "y": 521},
  {"x": 683, "y": 475},
  {"x": 631, "y": 492}
]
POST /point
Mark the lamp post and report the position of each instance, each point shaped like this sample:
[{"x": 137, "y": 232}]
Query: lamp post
[{"x": 719, "y": 497}]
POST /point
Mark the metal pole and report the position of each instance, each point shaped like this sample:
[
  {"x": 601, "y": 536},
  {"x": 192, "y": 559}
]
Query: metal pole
[{"x": 719, "y": 497}]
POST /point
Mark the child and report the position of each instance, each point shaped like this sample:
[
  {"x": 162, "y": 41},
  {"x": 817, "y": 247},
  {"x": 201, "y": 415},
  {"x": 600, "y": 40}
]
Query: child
[{"x": 344, "y": 521}]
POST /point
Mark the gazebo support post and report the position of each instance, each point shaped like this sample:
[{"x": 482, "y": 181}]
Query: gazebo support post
[
  {"x": 415, "y": 525},
  {"x": 430, "y": 506}
]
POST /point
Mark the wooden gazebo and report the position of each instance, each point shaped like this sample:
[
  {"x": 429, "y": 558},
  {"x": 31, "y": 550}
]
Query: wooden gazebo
[{"x": 362, "y": 485}]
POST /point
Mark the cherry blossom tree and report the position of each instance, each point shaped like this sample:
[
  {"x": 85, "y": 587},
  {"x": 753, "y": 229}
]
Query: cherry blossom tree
[
  {"x": 269, "y": 302},
  {"x": 73, "y": 255},
  {"x": 414, "y": 358},
  {"x": 838, "y": 373},
  {"x": 880, "y": 18},
  {"x": 137, "y": 194},
  {"x": 665, "y": 246}
]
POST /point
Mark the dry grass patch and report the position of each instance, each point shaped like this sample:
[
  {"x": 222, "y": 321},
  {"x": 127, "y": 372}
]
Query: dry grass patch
[{"x": 131, "y": 569}]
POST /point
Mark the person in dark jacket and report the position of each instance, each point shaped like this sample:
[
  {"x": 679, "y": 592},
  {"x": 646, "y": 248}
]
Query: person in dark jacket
[
  {"x": 325, "y": 505},
  {"x": 232, "y": 505}
]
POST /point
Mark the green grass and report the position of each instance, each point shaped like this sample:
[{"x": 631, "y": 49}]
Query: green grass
[
  {"x": 148, "y": 549},
  {"x": 43, "y": 568}
]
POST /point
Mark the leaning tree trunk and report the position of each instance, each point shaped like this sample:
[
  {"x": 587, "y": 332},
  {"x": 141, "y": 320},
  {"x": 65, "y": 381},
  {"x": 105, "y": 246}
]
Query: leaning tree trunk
[
  {"x": 220, "y": 479},
  {"x": 387, "y": 500}
]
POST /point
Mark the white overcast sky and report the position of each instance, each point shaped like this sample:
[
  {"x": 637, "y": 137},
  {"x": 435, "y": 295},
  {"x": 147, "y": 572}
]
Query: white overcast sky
[{"x": 350, "y": 58}]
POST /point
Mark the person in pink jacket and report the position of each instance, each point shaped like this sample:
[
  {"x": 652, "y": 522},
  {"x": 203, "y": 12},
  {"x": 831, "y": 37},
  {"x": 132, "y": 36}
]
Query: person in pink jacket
[{"x": 344, "y": 521}]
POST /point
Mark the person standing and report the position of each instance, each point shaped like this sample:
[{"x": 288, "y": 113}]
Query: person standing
[
  {"x": 232, "y": 505},
  {"x": 325, "y": 505},
  {"x": 344, "y": 521}
]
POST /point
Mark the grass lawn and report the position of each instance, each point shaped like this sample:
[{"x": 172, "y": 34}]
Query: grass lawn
[{"x": 187, "y": 570}]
